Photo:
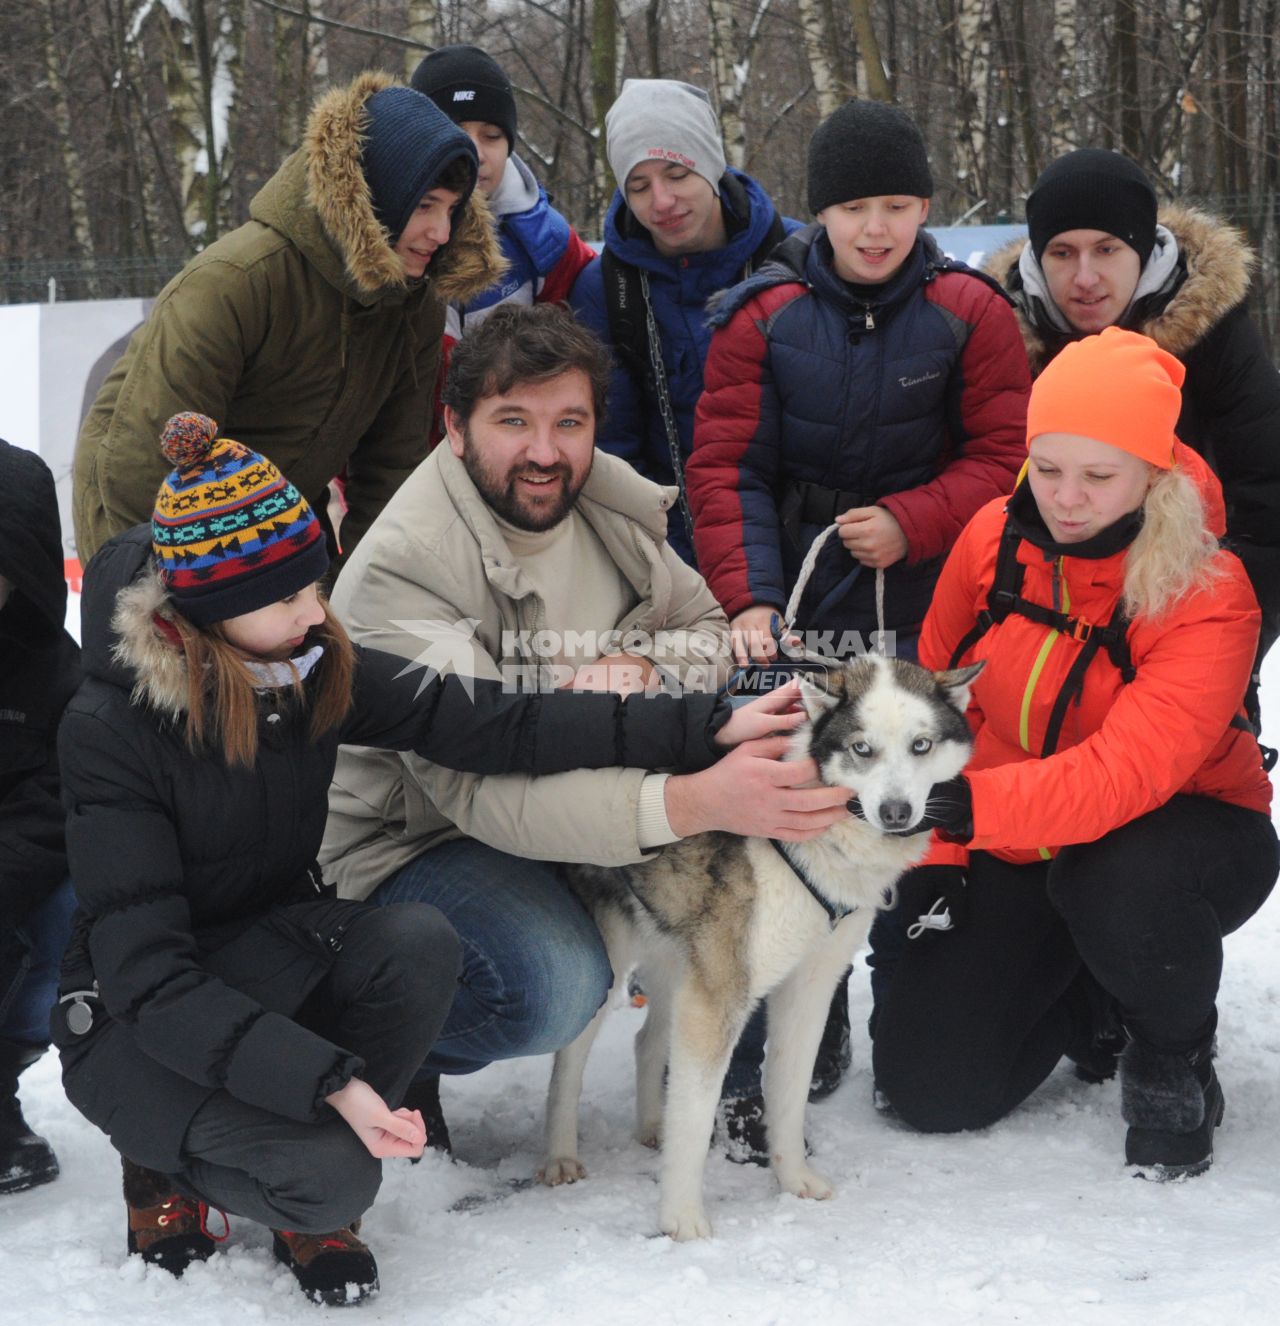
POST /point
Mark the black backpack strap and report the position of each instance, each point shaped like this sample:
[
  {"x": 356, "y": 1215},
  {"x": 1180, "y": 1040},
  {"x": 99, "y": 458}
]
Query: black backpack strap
[
  {"x": 624, "y": 308},
  {"x": 633, "y": 326},
  {"x": 774, "y": 236},
  {"x": 1097, "y": 639},
  {"x": 1002, "y": 597}
]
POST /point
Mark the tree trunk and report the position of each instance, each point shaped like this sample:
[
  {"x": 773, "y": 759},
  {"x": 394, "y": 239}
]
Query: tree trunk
[
  {"x": 422, "y": 23},
  {"x": 1062, "y": 132},
  {"x": 604, "y": 92},
  {"x": 652, "y": 35},
  {"x": 732, "y": 53},
  {"x": 973, "y": 38},
  {"x": 818, "y": 46},
  {"x": 72, "y": 169},
  {"x": 1128, "y": 119},
  {"x": 872, "y": 63}
]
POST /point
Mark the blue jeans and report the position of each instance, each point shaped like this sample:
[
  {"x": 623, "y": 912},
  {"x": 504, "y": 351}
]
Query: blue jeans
[
  {"x": 29, "y": 978},
  {"x": 534, "y": 968}
]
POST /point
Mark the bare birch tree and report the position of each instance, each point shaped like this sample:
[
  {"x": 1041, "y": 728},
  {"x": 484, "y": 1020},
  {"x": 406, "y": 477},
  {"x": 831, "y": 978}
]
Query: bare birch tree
[{"x": 818, "y": 46}]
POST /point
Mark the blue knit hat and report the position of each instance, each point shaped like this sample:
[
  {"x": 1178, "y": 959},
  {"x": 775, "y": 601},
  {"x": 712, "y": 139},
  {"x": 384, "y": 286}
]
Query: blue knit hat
[{"x": 408, "y": 144}]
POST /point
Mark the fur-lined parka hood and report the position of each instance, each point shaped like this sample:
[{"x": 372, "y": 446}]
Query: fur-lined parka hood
[
  {"x": 1218, "y": 263},
  {"x": 320, "y": 199},
  {"x": 123, "y": 611}
]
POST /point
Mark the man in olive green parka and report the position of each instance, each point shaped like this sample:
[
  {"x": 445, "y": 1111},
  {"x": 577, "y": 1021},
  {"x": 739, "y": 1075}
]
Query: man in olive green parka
[{"x": 311, "y": 333}]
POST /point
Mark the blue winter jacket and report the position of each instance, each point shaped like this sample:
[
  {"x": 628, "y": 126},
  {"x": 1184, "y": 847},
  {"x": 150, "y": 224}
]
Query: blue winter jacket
[
  {"x": 680, "y": 288},
  {"x": 911, "y": 396}
]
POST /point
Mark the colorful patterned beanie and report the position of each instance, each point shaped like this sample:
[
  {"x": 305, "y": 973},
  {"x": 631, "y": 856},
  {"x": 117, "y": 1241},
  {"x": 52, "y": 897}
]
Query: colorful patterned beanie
[{"x": 229, "y": 532}]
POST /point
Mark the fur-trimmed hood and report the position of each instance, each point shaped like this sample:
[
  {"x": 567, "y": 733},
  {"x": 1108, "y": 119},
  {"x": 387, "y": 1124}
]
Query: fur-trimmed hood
[
  {"x": 1218, "y": 263},
  {"x": 320, "y": 199},
  {"x": 123, "y": 610}
]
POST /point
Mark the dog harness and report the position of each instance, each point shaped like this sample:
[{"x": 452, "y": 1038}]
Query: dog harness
[{"x": 834, "y": 914}]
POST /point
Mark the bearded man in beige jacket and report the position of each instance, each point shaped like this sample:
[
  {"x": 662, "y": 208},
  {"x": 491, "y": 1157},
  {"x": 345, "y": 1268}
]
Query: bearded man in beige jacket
[{"x": 517, "y": 551}]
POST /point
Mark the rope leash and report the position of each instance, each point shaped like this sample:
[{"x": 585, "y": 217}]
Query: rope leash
[{"x": 802, "y": 581}]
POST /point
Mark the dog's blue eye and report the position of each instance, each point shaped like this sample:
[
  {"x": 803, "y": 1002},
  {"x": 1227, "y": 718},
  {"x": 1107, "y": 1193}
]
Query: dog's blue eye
[
  {"x": 861, "y": 748},
  {"x": 921, "y": 746}
]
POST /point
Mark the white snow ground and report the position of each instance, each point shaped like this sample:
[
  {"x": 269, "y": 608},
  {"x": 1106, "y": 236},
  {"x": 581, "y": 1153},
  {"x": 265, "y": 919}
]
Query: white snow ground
[{"x": 1034, "y": 1220}]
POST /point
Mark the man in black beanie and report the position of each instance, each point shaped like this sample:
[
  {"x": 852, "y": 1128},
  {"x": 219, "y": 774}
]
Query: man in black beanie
[{"x": 1102, "y": 253}]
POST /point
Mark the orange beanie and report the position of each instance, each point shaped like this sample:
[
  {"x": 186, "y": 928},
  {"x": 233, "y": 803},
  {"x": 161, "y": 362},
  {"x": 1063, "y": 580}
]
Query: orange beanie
[{"x": 1118, "y": 387}]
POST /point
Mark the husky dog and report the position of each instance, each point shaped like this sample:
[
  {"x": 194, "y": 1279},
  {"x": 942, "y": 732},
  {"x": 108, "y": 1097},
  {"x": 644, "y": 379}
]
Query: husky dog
[{"x": 717, "y": 922}]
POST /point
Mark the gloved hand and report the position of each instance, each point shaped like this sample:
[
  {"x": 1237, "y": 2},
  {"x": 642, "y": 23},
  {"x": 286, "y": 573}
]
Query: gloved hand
[{"x": 949, "y": 809}]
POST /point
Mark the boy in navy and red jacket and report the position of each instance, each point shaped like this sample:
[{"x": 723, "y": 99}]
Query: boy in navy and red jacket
[{"x": 862, "y": 378}]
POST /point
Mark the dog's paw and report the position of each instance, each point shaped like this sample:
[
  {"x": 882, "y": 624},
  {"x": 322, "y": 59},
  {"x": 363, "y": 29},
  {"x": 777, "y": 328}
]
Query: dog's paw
[
  {"x": 686, "y": 1224},
  {"x": 650, "y": 1135},
  {"x": 564, "y": 1169},
  {"x": 801, "y": 1181}
]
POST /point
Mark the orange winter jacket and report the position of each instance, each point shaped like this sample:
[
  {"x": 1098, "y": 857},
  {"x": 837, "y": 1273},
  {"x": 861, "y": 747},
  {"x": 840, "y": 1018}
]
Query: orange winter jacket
[{"x": 1124, "y": 749}]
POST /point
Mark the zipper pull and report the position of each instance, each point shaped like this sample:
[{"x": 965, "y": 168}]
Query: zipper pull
[{"x": 870, "y": 323}]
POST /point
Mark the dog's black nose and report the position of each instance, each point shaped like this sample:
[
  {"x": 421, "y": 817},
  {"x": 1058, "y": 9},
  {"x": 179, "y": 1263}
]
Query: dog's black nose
[{"x": 895, "y": 814}]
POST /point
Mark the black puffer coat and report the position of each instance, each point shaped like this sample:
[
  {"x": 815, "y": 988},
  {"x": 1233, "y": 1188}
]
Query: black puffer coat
[
  {"x": 39, "y": 672},
  {"x": 200, "y": 918}
]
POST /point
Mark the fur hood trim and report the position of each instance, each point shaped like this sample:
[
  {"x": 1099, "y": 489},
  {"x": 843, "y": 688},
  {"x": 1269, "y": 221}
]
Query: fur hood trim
[
  {"x": 158, "y": 668},
  {"x": 339, "y": 192},
  {"x": 1218, "y": 262}
]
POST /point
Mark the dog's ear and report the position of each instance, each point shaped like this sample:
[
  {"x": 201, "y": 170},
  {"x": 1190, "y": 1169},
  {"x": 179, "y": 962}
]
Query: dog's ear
[
  {"x": 814, "y": 697},
  {"x": 958, "y": 682}
]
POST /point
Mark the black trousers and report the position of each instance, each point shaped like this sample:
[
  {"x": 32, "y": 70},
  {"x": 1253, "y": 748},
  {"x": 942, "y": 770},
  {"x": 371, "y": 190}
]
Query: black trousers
[
  {"x": 973, "y": 1020},
  {"x": 385, "y": 999}
]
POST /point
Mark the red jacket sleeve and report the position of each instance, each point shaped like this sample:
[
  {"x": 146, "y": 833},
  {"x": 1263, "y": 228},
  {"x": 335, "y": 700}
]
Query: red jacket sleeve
[
  {"x": 559, "y": 280},
  {"x": 731, "y": 472},
  {"x": 987, "y": 419}
]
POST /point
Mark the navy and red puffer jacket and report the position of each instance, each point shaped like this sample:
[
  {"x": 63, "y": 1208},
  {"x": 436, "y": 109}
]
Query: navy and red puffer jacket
[{"x": 913, "y": 397}]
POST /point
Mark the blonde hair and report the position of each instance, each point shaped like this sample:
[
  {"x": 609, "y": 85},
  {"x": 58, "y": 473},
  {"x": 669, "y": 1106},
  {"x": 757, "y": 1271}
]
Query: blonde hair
[
  {"x": 1174, "y": 551},
  {"x": 222, "y": 699}
]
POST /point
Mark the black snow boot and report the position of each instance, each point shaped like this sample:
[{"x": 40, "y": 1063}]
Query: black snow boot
[
  {"x": 834, "y": 1051},
  {"x": 1172, "y": 1102},
  {"x": 740, "y": 1122},
  {"x": 26, "y": 1159},
  {"x": 424, "y": 1095},
  {"x": 335, "y": 1269},
  {"x": 166, "y": 1228},
  {"x": 1097, "y": 1036}
]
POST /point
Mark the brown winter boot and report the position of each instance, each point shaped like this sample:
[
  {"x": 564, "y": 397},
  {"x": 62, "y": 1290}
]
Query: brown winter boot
[
  {"x": 336, "y": 1269},
  {"x": 168, "y": 1229}
]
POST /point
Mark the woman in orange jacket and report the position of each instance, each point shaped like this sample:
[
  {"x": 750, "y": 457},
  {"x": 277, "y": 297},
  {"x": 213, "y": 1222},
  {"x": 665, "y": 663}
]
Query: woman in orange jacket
[{"x": 1113, "y": 824}]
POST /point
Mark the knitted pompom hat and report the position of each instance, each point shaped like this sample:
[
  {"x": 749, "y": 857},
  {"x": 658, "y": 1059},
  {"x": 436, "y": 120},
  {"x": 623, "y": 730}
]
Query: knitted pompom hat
[
  {"x": 1118, "y": 387},
  {"x": 230, "y": 534}
]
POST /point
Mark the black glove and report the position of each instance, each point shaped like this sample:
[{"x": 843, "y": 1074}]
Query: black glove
[{"x": 949, "y": 809}]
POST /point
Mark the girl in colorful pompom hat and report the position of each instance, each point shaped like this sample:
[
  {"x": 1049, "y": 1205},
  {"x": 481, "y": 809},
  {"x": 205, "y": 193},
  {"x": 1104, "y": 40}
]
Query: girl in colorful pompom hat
[{"x": 244, "y": 1036}]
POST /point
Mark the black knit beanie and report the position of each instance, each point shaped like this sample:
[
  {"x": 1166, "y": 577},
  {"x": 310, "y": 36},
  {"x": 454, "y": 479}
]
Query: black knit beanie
[
  {"x": 867, "y": 149},
  {"x": 468, "y": 84},
  {"x": 407, "y": 145},
  {"x": 1093, "y": 189}
]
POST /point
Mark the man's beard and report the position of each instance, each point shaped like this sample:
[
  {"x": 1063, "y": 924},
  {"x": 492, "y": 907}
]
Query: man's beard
[{"x": 503, "y": 496}]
